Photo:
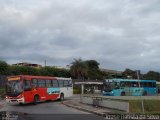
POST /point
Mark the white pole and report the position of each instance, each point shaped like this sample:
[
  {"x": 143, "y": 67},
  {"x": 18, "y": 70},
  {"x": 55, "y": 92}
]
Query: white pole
[
  {"x": 82, "y": 89},
  {"x": 141, "y": 91}
]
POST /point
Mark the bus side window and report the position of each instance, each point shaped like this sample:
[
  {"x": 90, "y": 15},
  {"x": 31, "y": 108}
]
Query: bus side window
[
  {"x": 127, "y": 84},
  {"x": 27, "y": 85},
  {"x": 48, "y": 83},
  {"x": 66, "y": 84},
  {"x": 150, "y": 84},
  {"x": 70, "y": 83},
  {"x": 122, "y": 84},
  {"x": 60, "y": 82},
  {"x": 41, "y": 83},
  {"x": 145, "y": 84},
  {"x": 134, "y": 84},
  {"x": 54, "y": 83},
  {"x": 141, "y": 84},
  {"x": 34, "y": 83},
  {"x": 116, "y": 86},
  {"x": 154, "y": 84}
]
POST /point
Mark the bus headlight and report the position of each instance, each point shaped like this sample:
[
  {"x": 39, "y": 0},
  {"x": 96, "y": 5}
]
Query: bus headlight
[{"x": 112, "y": 93}]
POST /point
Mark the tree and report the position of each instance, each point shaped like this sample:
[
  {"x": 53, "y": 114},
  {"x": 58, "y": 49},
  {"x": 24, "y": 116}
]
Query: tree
[
  {"x": 93, "y": 69},
  {"x": 22, "y": 70},
  {"x": 79, "y": 69},
  {"x": 55, "y": 72},
  {"x": 128, "y": 73},
  {"x": 3, "y": 68},
  {"x": 132, "y": 74},
  {"x": 92, "y": 64},
  {"x": 152, "y": 75}
]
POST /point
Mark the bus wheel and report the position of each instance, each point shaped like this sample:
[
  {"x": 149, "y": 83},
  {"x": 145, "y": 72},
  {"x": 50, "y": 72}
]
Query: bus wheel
[
  {"x": 144, "y": 93},
  {"x": 36, "y": 99},
  {"x": 123, "y": 94},
  {"x": 62, "y": 97},
  {"x": 20, "y": 104}
]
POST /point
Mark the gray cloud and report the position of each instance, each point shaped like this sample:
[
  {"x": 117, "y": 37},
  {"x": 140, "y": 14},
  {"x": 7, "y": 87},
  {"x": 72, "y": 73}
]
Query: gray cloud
[{"x": 118, "y": 34}]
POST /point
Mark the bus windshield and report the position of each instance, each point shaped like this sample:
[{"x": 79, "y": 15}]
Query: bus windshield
[
  {"x": 108, "y": 87},
  {"x": 14, "y": 88}
]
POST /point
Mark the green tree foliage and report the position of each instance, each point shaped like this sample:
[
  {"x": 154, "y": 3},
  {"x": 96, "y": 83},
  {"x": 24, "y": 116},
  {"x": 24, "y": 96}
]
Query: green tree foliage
[
  {"x": 105, "y": 75},
  {"x": 92, "y": 64},
  {"x": 93, "y": 70},
  {"x": 55, "y": 72},
  {"x": 22, "y": 70},
  {"x": 43, "y": 71},
  {"x": 88, "y": 69},
  {"x": 3, "y": 68},
  {"x": 128, "y": 73},
  {"x": 152, "y": 75},
  {"x": 79, "y": 69}
]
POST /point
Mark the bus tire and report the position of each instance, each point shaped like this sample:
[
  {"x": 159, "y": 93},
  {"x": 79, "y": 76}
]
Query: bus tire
[
  {"x": 123, "y": 93},
  {"x": 36, "y": 99},
  {"x": 62, "y": 97},
  {"x": 144, "y": 93},
  {"x": 20, "y": 103}
]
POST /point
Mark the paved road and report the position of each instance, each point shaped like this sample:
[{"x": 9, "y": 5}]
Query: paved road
[
  {"x": 53, "y": 107},
  {"x": 49, "y": 111}
]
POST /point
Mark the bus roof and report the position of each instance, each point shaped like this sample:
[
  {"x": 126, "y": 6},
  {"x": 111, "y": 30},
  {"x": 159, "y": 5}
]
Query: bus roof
[
  {"x": 30, "y": 76},
  {"x": 131, "y": 80},
  {"x": 61, "y": 78}
]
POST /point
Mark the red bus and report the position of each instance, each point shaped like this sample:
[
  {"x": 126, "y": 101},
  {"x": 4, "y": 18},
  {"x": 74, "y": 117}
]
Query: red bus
[{"x": 34, "y": 89}]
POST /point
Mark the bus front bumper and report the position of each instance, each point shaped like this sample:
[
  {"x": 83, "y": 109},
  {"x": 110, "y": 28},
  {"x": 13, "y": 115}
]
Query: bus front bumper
[
  {"x": 14, "y": 100},
  {"x": 108, "y": 94}
]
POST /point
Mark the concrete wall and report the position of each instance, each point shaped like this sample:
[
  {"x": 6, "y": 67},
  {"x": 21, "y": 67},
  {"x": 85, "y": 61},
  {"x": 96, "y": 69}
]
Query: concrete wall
[{"x": 108, "y": 103}]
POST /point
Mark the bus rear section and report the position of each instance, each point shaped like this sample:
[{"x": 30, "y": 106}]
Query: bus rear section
[{"x": 66, "y": 87}]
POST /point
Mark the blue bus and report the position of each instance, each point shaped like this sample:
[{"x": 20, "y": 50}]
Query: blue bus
[{"x": 129, "y": 87}]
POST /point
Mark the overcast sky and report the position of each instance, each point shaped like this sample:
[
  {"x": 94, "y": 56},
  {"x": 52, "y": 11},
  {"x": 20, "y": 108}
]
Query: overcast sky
[{"x": 118, "y": 34}]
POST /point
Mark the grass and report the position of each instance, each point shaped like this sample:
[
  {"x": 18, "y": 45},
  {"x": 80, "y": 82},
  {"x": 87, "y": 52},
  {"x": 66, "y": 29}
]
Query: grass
[
  {"x": 150, "y": 106},
  {"x": 2, "y": 91},
  {"x": 76, "y": 91}
]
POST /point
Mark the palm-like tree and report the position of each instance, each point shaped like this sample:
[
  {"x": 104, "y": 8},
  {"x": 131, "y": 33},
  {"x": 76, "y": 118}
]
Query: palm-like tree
[{"x": 79, "y": 69}]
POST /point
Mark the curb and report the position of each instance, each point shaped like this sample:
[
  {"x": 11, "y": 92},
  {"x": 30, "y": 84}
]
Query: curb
[{"x": 85, "y": 110}]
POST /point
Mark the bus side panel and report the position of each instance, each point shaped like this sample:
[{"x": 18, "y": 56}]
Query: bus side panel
[
  {"x": 117, "y": 92},
  {"x": 150, "y": 91},
  {"x": 28, "y": 96},
  {"x": 136, "y": 91},
  {"x": 42, "y": 92},
  {"x": 67, "y": 91},
  {"x": 53, "y": 93}
]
